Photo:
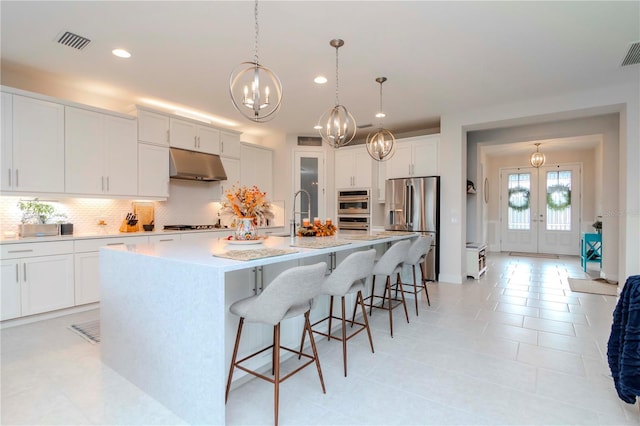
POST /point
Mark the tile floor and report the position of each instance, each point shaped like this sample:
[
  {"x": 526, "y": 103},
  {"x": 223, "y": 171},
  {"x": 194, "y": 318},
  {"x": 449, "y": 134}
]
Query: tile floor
[{"x": 515, "y": 347}]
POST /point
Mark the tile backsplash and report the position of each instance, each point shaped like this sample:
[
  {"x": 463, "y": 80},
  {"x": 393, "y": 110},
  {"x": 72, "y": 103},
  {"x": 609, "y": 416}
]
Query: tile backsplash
[{"x": 190, "y": 203}]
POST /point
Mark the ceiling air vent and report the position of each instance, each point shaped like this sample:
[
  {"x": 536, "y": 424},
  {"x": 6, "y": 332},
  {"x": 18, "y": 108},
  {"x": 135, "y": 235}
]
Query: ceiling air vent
[
  {"x": 633, "y": 55},
  {"x": 73, "y": 40},
  {"x": 365, "y": 126},
  {"x": 309, "y": 141}
]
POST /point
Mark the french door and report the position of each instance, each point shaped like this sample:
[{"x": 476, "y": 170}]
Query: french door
[{"x": 540, "y": 209}]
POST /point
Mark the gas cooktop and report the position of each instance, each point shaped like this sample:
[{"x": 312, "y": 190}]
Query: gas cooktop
[{"x": 188, "y": 227}]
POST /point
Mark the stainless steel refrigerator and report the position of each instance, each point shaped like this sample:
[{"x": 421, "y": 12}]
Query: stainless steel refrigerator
[{"x": 413, "y": 204}]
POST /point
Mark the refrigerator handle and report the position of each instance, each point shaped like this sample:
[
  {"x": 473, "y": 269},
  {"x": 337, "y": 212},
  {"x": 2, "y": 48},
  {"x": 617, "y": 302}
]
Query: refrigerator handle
[{"x": 409, "y": 207}]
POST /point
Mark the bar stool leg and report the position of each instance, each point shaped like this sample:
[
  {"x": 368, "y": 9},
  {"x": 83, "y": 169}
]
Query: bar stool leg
[
  {"x": 424, "y": 283},
  {"x": 276, "y": 367},
  {"x": 360, "y": 301},
  {"x": 313, "y": 348},
  {"x": 373, "y": 291},
  {"x": 404, "y": 302},
  {"x": 330, "y": 317},
  {"x": 415, "y": 287},
  {"x": 233, "y": 359},
  {"x": 388, "y": 290},
  {"x": 344, "y": 338}
]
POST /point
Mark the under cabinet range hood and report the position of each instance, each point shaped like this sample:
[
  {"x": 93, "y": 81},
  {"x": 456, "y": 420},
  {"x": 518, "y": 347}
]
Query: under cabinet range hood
[{"x": 192, "y": 165}]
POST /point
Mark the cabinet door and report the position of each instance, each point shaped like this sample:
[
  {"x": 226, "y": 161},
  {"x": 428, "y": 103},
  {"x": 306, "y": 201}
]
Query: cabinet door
[
  {"x": 425, "y": 157},
  {"x": 362, "y": 164},
  {"x": 182, "y": 134},
  {"x": 230, "y": 144},
  {"x": 232, "y": 169},
  {"x": 87, "y": 277},
  {"x": 256, "y": 168},
  {"x": 6, "y": 176},
  {"x": 84, "y": 155},
  {"x": 381, "y": 181},
  {"x": 344, "y": 163},
  {"x": 47, "y": 283},
  {"x": 10, "y": 290},
  {"x": 208, "y": 140},
  {"x": 400, "y": 164},
  {"x": 121, "y": 156},
  {"x": 38, "y": 145},
  {"x": 153, "y": 170},
  {"x": 153, "y": 128}
]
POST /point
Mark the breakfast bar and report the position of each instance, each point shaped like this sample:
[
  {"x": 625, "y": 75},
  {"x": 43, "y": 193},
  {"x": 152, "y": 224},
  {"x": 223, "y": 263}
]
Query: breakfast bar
[{"x": 164, "y": 309}]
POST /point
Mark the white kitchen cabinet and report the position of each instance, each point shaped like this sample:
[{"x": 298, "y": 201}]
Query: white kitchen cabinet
[
  {"x": 36, "y": 277},
  {"x": 256, "y": 168},
  {"x": 476, "y": 260},
  {"x": 153, "y": 170},
  {"x": 232, "y": 169},
  {"x": 353, "y": 168},
  {"x": 416, "y": 156},
  {"x": 229, "y": 144},
  {"x": 195, "y": 137},
  {"x": 381, "y": 179},
  {"x": 101, "y": 154},
  {"x": 32, "y": 145},
  {"x": 153, "y": 127}
]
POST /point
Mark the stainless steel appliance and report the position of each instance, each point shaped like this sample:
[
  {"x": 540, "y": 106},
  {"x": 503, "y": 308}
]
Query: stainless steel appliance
[
  {"x": 413, "y": 204},
  {"x": 192, "y": 165},
  {"x": 353, "y": 202},
  {"x": 353, "y": 210}
]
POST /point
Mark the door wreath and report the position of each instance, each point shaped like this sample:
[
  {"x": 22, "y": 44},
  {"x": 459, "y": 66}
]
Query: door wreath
[
  {"x": 558, "y": 197},
  {"x": 519, "y": 198}
]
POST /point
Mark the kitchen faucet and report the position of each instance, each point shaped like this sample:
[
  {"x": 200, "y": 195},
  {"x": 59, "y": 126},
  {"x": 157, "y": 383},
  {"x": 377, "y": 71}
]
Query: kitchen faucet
[{"x": 292, "y": 231}]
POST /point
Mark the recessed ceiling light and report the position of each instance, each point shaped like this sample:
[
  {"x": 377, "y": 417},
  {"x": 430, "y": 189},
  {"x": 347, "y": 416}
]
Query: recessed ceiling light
[
  {"x": 320, "y": 80},
  {"x": 121, "y": 53},
  {"x": 381, "y": 115},
  {"x": 317, "y": 127}
]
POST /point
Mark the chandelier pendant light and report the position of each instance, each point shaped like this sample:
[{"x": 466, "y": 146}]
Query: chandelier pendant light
[
  {"x": 338, "y": 127},
  {"x": 256, "y": 91},
  {"x": 381, "y": 145},
  {"x": 537, "y": 159}
]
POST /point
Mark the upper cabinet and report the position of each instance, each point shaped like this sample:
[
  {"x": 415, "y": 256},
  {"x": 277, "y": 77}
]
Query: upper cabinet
[
  {"x": 232, "y": 169},
  {"x": 256, "y": 168},
  {"x": 32, "y": 145},
  {"x": 353, "y": 168},
  {"x": 101, "y": 154},
  {"x": 416, "y": 156},
  {"x": 195, "y": 137},
  {"x": 229, "y": 144},
  {"x": 153, "y": 127},
  {"x": 153, "y": 170}
]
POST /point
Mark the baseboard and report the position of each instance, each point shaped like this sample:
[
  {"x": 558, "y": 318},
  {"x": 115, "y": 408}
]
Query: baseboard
[
  {"x": 47, "y": 315},
  {"x": 451, "y": 279}
]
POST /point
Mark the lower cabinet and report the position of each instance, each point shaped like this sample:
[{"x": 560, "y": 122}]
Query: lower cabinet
[{"x": 31, "y": 285}]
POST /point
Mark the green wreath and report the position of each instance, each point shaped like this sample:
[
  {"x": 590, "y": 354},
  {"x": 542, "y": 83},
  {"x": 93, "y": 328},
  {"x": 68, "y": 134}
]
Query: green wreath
[
  {"x": 519, "y": 198},
  {"x": 558, "y": 197}
]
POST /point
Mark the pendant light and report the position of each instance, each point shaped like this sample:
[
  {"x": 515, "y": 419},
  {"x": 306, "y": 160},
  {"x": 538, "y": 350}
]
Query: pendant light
[
  {"x": 338, "y": 127},
  {"x": 537, "y": 159},
  {"x": 256, "y": 92},
  {"x": 381, "y": 145}
]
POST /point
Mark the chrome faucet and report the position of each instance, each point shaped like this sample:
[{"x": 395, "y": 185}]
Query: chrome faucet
[{"x": 292, "y": 231}]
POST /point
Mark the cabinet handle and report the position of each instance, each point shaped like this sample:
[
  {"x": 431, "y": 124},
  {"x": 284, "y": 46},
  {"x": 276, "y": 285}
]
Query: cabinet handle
[
  {"x": 9, "y": 177},
  {"x": 102, "y": 179},
  {"x": 168, "y": 138},
  {"x": 115, "y": 244},
  {"x": 163, "y": 241},
  {"x": 195, "y": 141},
  {"x": 261, "y": 278},
  {"x": 221, "y": 147},
  {"x": 20, "y": 251},
  {"x": 17, "y": 179},
  {"x": 107, "y": 183},
  {"x": 24, "y": 269},
  {"x": 17, "y": 272}
]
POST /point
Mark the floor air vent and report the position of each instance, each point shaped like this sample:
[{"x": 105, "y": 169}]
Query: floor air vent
[
  {"x": 633, "y": 55},
  {"x": 73, "y": 40}
]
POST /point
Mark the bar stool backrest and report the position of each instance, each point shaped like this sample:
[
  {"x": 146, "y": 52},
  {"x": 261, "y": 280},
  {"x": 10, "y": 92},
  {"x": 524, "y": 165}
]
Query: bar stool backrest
[
  {"x": 418, "y": 250},
  {"x": 295, "y": 286},
  {"x": 395, "y": 255},
  {"x": 355, "y": 267}
]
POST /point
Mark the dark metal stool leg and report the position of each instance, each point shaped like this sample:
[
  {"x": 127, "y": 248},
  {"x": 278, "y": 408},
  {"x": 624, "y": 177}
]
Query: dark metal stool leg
[
  {"x": 276, "y": 379},
  {"x": 233, "y": 359},
  {"x": 360, "y": 301}
]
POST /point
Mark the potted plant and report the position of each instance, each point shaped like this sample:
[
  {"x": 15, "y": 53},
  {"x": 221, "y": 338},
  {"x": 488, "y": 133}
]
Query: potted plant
[
  {"x": 37, "y": 218},
  {"x": 597, "y": 225}
]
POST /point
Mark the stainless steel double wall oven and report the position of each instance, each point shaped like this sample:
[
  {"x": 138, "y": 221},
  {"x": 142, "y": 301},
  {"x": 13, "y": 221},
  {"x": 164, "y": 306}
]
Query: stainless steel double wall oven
[{"x": 354, "y": 210}]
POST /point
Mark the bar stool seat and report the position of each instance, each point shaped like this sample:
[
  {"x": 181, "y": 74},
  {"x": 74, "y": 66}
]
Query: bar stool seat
[
  {"x": 415, "y": 257},
  {"x": 389, "y": 265},
  {"x": 347, "y": 278},
  {"x": 289, "y": 295}
]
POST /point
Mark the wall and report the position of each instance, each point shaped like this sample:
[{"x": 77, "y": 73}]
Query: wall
[{"x": 623, "y": 214}]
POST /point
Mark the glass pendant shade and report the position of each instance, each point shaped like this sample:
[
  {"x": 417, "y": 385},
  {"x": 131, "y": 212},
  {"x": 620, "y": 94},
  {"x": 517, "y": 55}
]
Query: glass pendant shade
[
  {"x": 537, "y": 159},
  {"x": 381, "y": 145},
  {"x": 256, "y": 91},
  {"x": 338, "y": 127}
]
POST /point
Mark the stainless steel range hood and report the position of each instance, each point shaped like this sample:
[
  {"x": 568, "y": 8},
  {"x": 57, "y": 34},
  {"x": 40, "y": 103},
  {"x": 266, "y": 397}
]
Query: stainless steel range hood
[{"x": 192, "y": 165}]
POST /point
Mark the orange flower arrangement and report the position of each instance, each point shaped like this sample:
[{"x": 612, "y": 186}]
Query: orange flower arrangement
[{"x": 246, "y": 202}]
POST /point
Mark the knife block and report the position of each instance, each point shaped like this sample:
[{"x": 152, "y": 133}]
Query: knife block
[{"x": 125, "y": 227}]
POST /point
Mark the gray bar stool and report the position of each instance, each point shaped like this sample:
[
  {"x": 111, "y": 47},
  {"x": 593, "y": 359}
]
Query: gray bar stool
[
  {"x": 417, "y": 254},
  {"x": 289, "y": 295},
  {"x": 388, "y": 265},
  {"x": 347, "y": 278}
]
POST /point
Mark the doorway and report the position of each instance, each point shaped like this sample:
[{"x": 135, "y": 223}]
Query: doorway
[
  {"x": 309, "y": 176},
  {"x": 540, "y": 209}
]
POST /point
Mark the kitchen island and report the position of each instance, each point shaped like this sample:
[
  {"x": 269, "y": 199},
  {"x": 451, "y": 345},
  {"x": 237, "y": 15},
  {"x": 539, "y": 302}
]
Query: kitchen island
[{"x": 164, "y": 311}]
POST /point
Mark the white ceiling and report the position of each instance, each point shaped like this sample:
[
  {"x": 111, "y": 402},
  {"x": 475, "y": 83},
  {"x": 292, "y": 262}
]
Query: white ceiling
[{"x": 439, "y": 57}]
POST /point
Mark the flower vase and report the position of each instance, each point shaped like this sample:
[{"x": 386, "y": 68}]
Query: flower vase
[{"x": 246, "y": 229}]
